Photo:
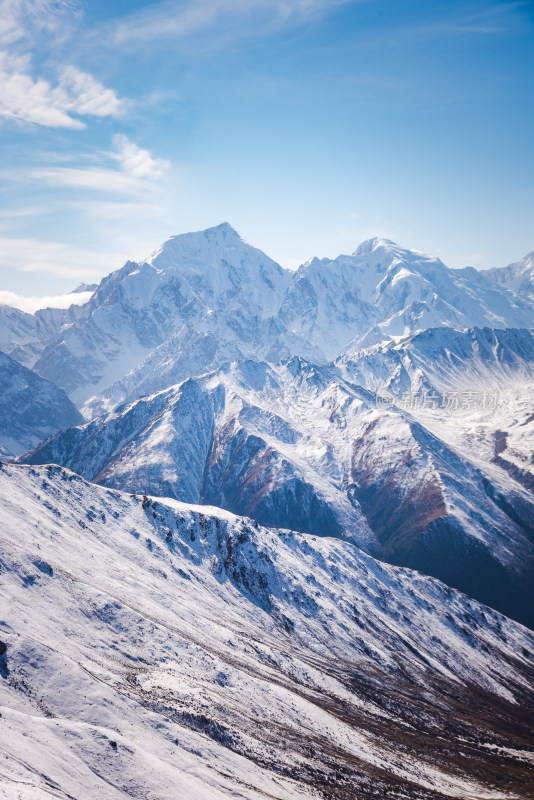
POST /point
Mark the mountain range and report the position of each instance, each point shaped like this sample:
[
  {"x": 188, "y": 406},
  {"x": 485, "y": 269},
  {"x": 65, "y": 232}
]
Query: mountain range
[
  {"x": 206, "y": 298},
  {"x": 287, "y": 502},
  {"x": 518, "y": 277},
  {"x": 33, "y": 409}
]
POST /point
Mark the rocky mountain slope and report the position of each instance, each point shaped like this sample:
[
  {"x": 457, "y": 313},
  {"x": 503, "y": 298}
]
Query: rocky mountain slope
[
  {"x": 31, "y": 409},
  {"x": 296, "y": 445},
  {"x": 250, "y": 437},
  {"x": 151, "y": 649}
]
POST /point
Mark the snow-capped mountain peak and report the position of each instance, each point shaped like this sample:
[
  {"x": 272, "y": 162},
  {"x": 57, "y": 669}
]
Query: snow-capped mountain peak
[
  {"x": 223, "y": 270},
  {"x": 197, "y": 244},
  {"x": 369, "y": 245}
]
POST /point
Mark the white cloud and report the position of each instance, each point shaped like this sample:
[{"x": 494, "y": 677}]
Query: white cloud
[
  {"x": 135, "y": 161},
  {"x": 36, "y": 100},
  {"x": 32, "y": 304},
  {"x": 83, "y": 94},
  {"x": 55, "y": 258},
  {"x": 137, "y": 173},
  {"x": 26, "y": 25}
]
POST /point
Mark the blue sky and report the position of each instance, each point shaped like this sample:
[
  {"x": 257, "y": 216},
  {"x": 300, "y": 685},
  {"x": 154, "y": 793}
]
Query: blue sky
[{"x": 309, "y": 125}]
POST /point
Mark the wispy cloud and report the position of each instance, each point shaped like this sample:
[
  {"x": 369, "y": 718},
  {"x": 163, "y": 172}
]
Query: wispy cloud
[
  {"x": 136, "y": 174},
  {"x": 32, "y": 304},
  {"x": 485, "y": 19},
  {"x": 171, "y": 18},
  {"x": 94, "y": 178},
  {"x": 9, "y": 215},
  {"x": 56, "y": 258},
  {"x": 56, "y": 100},
  {"x": 20, "y": 19}
]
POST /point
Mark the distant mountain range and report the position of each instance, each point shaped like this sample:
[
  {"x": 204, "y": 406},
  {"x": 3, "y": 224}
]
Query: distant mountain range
[
  {"x": 518, "y": 277},
  {"x": 207, "y": 298}
]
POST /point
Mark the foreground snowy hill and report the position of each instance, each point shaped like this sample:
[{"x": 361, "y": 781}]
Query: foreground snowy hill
[
  {"x": 31, "y": 409},
  {"x": 150, "y": 649},
  {"x": 294, "y": 445},
  {"x": 206, "y": 298}
]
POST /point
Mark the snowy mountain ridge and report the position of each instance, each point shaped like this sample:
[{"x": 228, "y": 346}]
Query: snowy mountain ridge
[
  {"x": 31, "y": 409},
  {"x": 518, "y": 277},
  {"x": 443, "y": 359},
  {"x": 384, "y": 291}
]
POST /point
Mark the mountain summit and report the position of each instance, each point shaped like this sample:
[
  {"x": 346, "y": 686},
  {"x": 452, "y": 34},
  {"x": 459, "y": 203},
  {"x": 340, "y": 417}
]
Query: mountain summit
[
  {"x": 369, "y": 245},
  {"x": 208, "y": 244}
]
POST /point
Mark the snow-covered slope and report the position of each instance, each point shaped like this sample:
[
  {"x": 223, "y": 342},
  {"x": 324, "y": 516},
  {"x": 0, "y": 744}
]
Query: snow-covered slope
[
  {"x": 472, "y": 388},
  {"x": 31, "y": 409},
  {"x": 251, "y": 437},
  {"x": 518, "y": 277},
  {"x": 153, "y": 650},
  {"x": 295, "y": 445},
  {"x": 380, "y": 292}
]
